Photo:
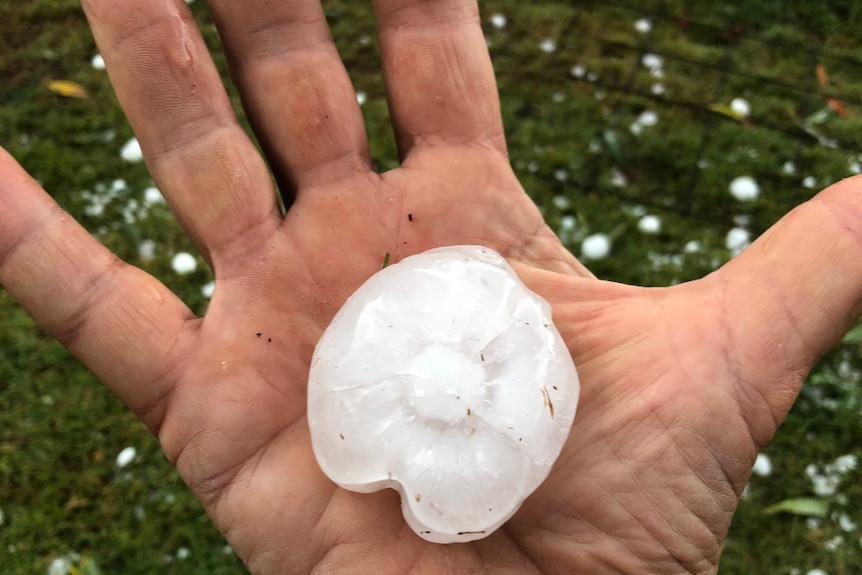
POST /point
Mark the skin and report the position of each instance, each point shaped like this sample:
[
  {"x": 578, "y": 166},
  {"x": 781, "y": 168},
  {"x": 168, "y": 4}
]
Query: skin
[{"x": 681, "y": 386}]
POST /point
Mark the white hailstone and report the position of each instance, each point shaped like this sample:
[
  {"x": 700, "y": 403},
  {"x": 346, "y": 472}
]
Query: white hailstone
[
  {"x": 361, "y": 98},
  {"x": 789, "y": 168},
  {"x": 227, "y": 550},
  {"x": 618, "y": 178},
  {"x": 184, "y": 263},
  {"x": 208, "y": 290},
  {"x": 692, "y": 247},
  {"x": 740, "y": 107},
  {"x": 98, "y": 62},
  {"x": 548, "y": 45},
  {"x": 744, "y": 188},
  {"x": 854, "y": 166},
  {"x": 568, "y": 223},
  {"x": 60, "y": 566},
  {"x": 646, "y": 119},
  {"x": 737, "y": 240},
  {"x": 498, "y": 21},
  {"x": 817, "y": 572},
  {"x": 562, "y": 202},
  {"x": 126, "y": 456},
  {"x": 592, "y": 77},
  {"x": 657, "y": 89},
  {"x": 643, "y": 25},
  {"x": 578, "y": 71},
  {"x": 846, "y": 524},
  {"x": 596, "y": 247},
  {"x": 443, "y": 377},
  {"x": 183, "y": 553},
  {"x": 810, "y": 182},
  {"x": 147, "y": 249},
  {"x": 834, "y": 543},
  {"x": 652, "y": 61},
  {"x": 650, "y": 224},
  {"x": 762, "y": 465},
  {"x": 845, "y": 463},
  {"x": 131, "y": 151},
  {"x": 153, "y": 196},
  {"x": 561, "y": 175}
]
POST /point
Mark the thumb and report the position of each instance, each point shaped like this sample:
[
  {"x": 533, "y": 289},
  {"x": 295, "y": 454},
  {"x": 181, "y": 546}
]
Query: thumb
[{"x": 792, "y": 295}]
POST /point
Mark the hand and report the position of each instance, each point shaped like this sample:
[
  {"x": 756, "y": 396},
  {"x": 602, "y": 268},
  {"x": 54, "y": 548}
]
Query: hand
[{"x": 681, "y": 386}]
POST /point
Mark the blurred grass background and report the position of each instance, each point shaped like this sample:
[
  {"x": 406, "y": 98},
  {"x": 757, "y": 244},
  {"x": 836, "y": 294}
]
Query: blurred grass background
[{"x": 574, "y": 84}]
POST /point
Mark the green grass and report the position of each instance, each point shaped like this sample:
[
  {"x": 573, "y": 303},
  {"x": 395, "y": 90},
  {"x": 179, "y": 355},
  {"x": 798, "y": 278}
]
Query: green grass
[{"x": 60, "y": 431}]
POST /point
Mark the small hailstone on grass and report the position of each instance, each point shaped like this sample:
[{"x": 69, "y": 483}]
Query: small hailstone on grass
[
  {"x": 652, "y": 61},
  {"x": 762, "y": 465},
  {"x": 657, "y": 89},
  {"x": 855, "y": 166},
  {"x": 789, "y": 168},
  {"x": 737, "y": 240},
  {"x": 60, "y": 566},
  {"x": 131, "y": 151},
  {"x": 153, "y": 196},
  {"x": 443, "y": 377},
  {"x": 183, "y": 553},
  {"x": 208, "y": 290},
  {"x": 810, "y": 182},
  {"x": 98, "y": 62},
  {"x": 643, "y": 25},
  {"x": 578, "y": 71},
  {"x": 361, "y": 98},
  {"x": 498, "y": 21},
  {"x": 692, "y": 247},
  {"x": 147, "y": 249},
  {"x": 817, "y": 572},
  {"x": 646, "y": 119},
  {"x": 650, "y": 224},
  {"x": 184, "y": 263},
  {"x": 740, "y": 107},
  {"x": 744, "y": 188},
  {"x": 126, "y": 456},
  {"x": 548, "y": 45},
  {"x": 562, "y": 202},
  {"x": 596, "y": 247}
]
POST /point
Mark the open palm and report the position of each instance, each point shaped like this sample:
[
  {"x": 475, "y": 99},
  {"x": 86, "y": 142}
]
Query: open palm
[{"x": 681, "y": 386}]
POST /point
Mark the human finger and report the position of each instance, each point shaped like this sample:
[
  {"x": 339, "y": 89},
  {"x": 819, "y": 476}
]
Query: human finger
[
  {"x": 295, "y": 90},
  {"x": 200, "y": 157},
  {"x": 128, "y": 328},
  {"x": 793, "y": 293},
  {"x": 439, "y": 79}
]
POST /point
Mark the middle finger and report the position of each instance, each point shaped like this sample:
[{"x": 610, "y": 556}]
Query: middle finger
[{"x": 295, "y": 90}]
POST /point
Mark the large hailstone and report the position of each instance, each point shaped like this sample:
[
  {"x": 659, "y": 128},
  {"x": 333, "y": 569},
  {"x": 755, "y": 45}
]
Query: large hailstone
[{"x": 443, "y": 377}]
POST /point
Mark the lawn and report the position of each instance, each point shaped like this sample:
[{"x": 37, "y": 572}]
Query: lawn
[{"x": 659, "y": 138}]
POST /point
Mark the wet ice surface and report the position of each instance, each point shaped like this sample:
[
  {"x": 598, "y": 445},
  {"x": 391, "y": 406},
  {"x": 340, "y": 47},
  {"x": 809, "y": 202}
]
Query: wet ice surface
[{"x": 443, "y": 377}]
